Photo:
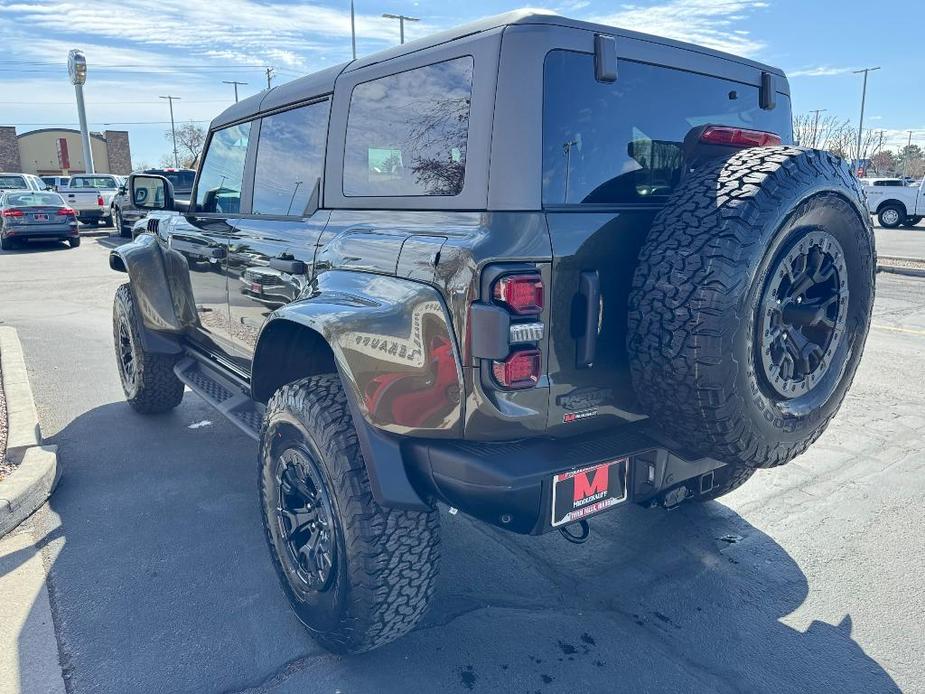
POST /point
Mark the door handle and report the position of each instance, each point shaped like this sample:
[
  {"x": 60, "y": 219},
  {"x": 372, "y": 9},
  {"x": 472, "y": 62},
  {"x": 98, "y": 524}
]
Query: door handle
[
  {"x": 293, "y": 267},
  {"x": 589, "y": 306}
]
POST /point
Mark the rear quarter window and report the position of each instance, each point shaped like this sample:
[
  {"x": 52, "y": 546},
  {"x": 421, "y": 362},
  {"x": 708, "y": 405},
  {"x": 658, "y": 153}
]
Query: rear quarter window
[
  {"x": 407, "y": 133},
  {"x": 620, "y": 142}
]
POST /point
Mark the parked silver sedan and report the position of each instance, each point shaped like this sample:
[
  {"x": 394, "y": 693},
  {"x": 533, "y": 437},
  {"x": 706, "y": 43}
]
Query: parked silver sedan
[{"x": 27, "y": 215}]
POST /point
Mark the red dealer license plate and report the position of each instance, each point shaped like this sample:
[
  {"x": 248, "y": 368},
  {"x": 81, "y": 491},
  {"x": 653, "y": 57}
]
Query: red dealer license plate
[{"x": 582, "y": 493}]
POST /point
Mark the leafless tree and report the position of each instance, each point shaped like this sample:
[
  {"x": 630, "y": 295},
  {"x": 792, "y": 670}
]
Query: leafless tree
[
  {"x": 809, "y": 130},
  {"x": 190, "y": 140}
]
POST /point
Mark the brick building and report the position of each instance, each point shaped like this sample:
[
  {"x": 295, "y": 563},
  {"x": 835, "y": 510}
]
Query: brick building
[{"x": 58, "y": 151}]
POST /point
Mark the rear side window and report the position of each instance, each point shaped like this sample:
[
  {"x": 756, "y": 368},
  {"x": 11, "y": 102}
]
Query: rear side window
[
  {"x": 888, "y": 183},
  {"x": 290, "y": 156},
  {"x": 180, "y": 180},
  {"x": 407, "y": 133},
  {"x": 620, "y": 142},
  {"x": 219, "y": 188}
]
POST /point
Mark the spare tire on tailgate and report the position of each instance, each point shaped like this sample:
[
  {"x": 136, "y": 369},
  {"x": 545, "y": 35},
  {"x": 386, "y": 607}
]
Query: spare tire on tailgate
[{"x": 751, "y": 303}]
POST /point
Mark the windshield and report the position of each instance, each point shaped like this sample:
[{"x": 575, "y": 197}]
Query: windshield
[
  {"x": 93, "y": 182},
  {"x": 34, "y": 200},
  {"x": 13, "y": 182}
]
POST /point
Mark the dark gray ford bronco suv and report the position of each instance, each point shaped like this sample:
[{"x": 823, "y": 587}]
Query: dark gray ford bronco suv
[{"x": 532, "y": 268}]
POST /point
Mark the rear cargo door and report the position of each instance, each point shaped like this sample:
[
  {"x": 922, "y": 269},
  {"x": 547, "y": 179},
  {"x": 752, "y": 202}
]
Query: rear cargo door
[{"x": 611, "y": 157}]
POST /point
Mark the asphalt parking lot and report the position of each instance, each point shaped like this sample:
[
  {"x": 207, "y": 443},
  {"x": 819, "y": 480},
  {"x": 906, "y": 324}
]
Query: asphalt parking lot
[{"x": 809, "y": 578}]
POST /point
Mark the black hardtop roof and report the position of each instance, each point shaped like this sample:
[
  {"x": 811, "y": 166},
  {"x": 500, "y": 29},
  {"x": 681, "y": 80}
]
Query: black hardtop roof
[{"x": 322, "y": 82}]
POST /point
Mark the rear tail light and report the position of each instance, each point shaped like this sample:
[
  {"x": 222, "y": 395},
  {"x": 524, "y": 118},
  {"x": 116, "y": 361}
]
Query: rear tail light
[
  {"x": 66, "y": 211},
  {"x": 520, "y": 370},
  {"x": 522, "y": 293},
  {"x": 99, "y": 200},
  {"x": 12, "y": 212},
  {"x": 738, "y": 137}
]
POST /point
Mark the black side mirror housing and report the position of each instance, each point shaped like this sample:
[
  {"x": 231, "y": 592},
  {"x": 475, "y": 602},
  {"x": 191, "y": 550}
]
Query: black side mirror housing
[{"x": 150, "y": 192}]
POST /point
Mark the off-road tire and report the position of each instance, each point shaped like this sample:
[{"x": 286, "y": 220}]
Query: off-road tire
[
  {"x": 726, "y": 479},
  {"x": 695, "y": 357},
  {"x": 153, "y": 387},
  {"x": 885, "y": 219},
  {"x": 386, "y": 558},
  {"x": 73, "y": 243}
]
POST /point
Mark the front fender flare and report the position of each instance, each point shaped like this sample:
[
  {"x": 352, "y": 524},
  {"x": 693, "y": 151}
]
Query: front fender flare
[{"x": 143, "y": 261}]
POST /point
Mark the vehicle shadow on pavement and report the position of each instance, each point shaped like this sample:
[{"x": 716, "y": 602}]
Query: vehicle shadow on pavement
[{"x": 160, "y": 581}]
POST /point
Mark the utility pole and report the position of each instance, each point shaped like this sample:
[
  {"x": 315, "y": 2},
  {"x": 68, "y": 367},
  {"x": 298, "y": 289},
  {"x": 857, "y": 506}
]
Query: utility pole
[
  {"x": 906, "y": 155},
  {"x": 173, "y": 129},
  {"x": 816, "y": 113},
  {"x": 863, "y": 100},
  {"x": 353, "y": 30},
  {"x": 269, "y": 77},
  {"x": 235, "y": 83},
  {"x": 401, "y": 22}
]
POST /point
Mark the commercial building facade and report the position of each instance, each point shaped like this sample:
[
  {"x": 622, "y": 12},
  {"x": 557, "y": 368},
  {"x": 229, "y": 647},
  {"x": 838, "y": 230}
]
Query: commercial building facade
[{"x": 59, "y": 151}]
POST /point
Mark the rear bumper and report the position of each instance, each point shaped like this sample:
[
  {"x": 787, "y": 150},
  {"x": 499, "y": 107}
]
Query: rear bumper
[
  {"x": 510, "y": 484},
  {"x": 91, "y": 214},
  {"x": 45, "y": 231}
]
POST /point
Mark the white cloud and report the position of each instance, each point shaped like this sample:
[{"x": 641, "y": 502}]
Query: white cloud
[
  {"x": 820, "y": 71},
  {"x": 711, "y": 23}
]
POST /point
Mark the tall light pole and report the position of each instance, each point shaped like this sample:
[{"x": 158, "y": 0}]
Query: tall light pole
[
  {"x": 401, "y": 22},
  {"x": 77, "y": 71},
  {"x": 353, "y": 30},
  {"x": 235, "y": 83},
  {"x": 866, "y": 70},
  {"x": 173, "y": 129},
  {"x": 816, "y": 113}
]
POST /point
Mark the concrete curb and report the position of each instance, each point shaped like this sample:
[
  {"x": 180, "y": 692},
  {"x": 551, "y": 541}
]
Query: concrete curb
[
  {"x": 900, "y": 270},
  {"x": 36, "y": 474}
]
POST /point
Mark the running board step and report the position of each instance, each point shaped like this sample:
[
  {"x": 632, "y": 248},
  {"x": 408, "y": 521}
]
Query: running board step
[{"x": 223, "y": 393}]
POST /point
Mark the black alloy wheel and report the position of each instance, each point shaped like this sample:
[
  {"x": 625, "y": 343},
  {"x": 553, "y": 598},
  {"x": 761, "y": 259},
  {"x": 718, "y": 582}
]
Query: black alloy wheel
[
  {"x": 126, "y": 354},
  {"x": 803, "y": 310},
  {"x": 305, "y": 519}
]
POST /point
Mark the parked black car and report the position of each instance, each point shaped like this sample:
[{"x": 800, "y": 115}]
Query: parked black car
[
  {"x": 533, "y": 268},
  {"x": 125, "y": 213},
  {"x": 36, "y": 216}
]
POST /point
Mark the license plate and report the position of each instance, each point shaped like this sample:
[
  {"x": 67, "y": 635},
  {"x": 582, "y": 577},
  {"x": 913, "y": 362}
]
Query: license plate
[
  {"x": 255, "y": 287},
  {"x": 39, "y": 217},
  {"x": 581, "y": 493}
]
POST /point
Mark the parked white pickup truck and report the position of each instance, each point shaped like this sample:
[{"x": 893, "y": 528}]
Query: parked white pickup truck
[
  {"x": 894, "y": 203},
  {"x": 91, "y": 195}
]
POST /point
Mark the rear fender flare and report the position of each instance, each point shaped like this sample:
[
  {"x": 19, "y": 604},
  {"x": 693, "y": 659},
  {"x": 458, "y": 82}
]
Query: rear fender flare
[{"x": 393, "y": 346}]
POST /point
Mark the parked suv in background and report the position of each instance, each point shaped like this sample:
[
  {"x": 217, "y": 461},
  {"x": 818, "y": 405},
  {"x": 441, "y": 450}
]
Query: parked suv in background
[
  {"x": 125, "y": 213},
  {"x": 532, "y": 268},
  {"x": 21, "y": 181}
]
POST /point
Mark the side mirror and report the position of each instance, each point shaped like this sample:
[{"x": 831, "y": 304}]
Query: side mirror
[{"x": 151, "y": 192}]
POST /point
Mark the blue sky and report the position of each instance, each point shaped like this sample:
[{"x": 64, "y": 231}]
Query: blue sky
[{"x": 138, "y": 50}]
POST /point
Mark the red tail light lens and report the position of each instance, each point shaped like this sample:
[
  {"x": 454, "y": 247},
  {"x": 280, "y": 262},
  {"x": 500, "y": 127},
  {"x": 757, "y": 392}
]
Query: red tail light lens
[
  {"x": 737, "y": 137},
  {"x": 99, "y": 200},
  {"x": 522, "y": 294},
  {"x": 520, "y": 370},
  {"x": 12, "y": 212},
  {"x": 67, "y": 211}
]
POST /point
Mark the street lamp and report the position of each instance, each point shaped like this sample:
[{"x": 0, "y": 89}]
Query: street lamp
[
  {"x": 77, "y": 71},
  {"x": 401, "y": 22}
]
